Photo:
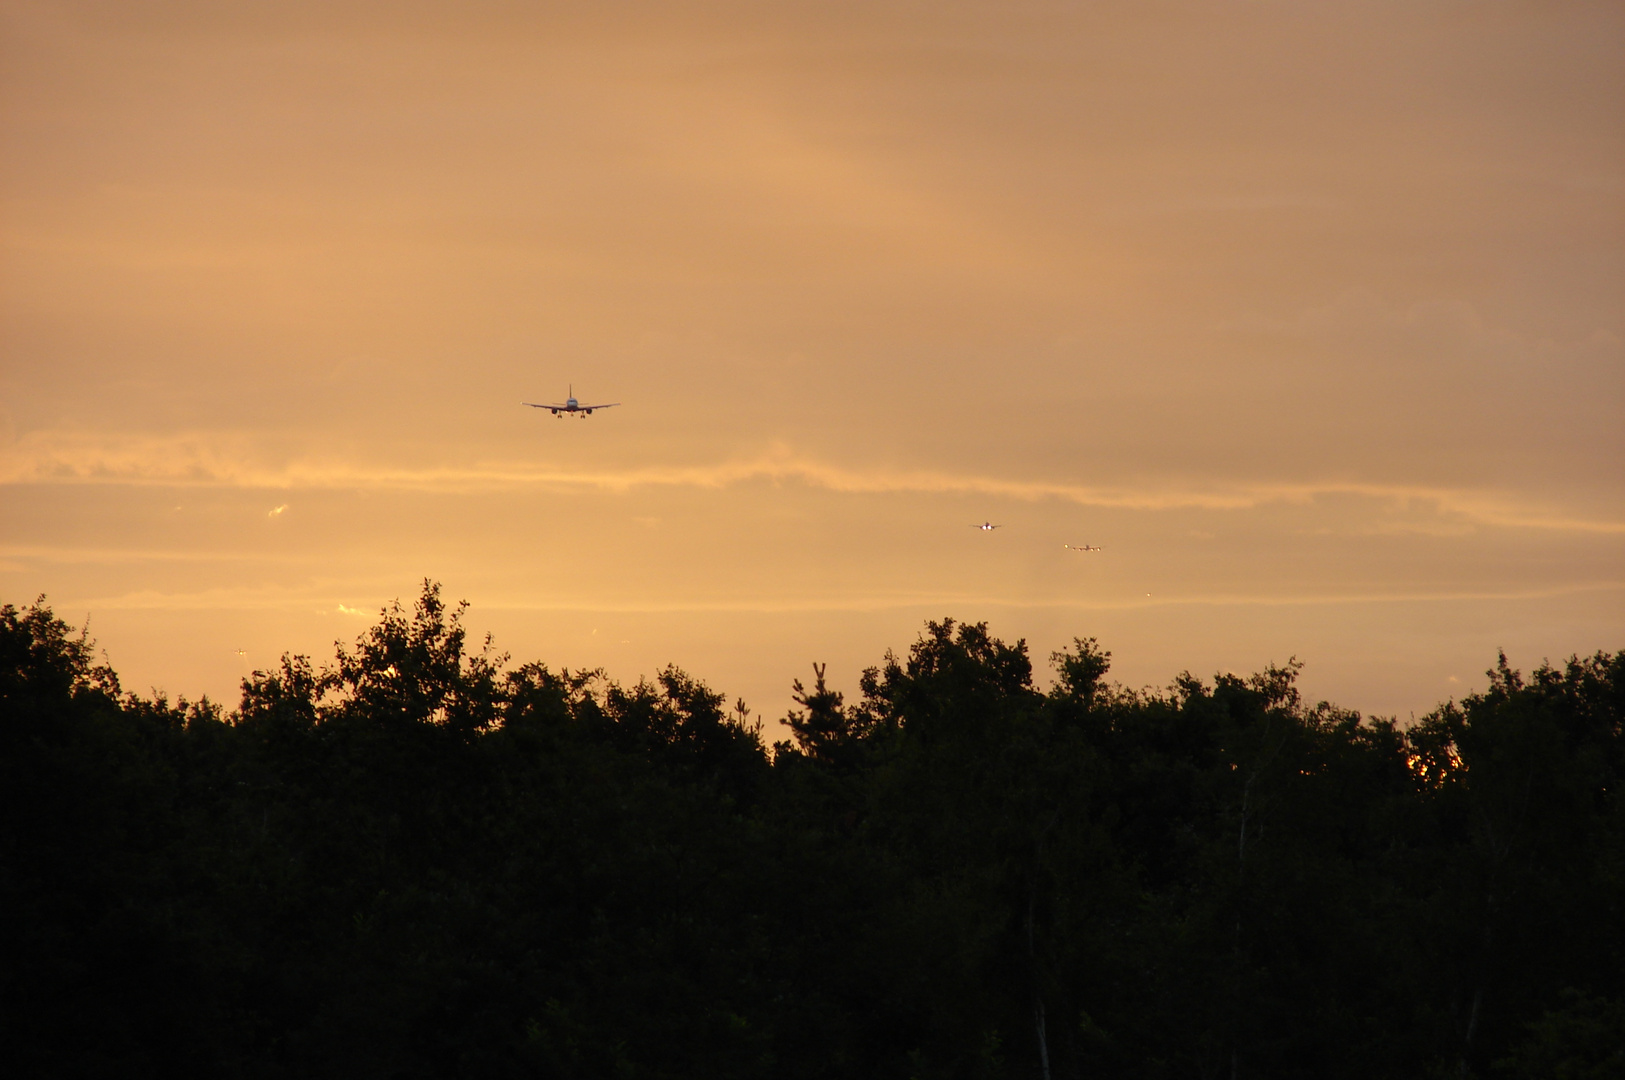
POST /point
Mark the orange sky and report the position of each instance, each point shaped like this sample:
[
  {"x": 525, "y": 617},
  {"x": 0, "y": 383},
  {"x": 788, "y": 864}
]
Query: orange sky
[{"x": 1310, "y": 314}]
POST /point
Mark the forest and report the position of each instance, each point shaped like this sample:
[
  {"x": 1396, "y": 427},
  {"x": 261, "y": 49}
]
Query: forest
[{"x": 422, "y": 859}]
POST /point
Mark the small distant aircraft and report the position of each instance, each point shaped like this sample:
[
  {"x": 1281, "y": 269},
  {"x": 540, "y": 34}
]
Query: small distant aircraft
[
  {"x": 1082, "y": 547},
  {"x": 987, "y": 526},
  {"x": 571, "y": 406}
]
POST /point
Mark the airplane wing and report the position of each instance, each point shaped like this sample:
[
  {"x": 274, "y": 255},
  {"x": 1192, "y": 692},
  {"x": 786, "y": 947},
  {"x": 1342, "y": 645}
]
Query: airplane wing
[
  {"x": 534, "y": 405},
  {"x": 611, "y": 405}
]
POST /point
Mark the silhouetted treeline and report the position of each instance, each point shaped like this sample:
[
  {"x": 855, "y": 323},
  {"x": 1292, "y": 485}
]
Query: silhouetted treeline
[{"x": 423, "y": 862}]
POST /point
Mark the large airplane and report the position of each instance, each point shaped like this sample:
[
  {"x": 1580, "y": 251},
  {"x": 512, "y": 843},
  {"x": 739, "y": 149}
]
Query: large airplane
[
  {"x": 987, "y": 526},
  {"x": 571, "y": 406},
  {"x": 1080, "y": 547}
]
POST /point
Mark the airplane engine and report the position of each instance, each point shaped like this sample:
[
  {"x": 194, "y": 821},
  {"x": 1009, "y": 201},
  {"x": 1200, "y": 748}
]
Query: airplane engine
[{"x": 589, "y": 412}]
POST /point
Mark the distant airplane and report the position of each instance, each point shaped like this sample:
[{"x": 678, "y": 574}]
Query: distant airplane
[
  {"x": 987, "y": 526},
  {"x": 571, "y": 406},
  {"x": 1085, "y": 547}
]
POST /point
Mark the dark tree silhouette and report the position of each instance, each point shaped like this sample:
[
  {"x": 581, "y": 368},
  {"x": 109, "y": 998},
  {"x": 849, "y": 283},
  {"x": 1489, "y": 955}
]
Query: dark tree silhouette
[{"x": 421, "y": 861}]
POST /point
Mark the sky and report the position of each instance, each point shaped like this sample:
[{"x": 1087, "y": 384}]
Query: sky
[{"x": 1311, "y": 316}]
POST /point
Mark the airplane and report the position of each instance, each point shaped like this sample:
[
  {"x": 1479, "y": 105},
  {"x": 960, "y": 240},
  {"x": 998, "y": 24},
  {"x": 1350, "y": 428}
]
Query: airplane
[
  {"x": 571, "y": 406},
  {"x": 1084, "y": 547},
  {"x": 987, "y": 526}
]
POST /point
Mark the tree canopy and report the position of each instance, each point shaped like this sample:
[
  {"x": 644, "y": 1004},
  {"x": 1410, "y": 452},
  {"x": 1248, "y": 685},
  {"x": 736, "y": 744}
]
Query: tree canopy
[{"x": 421, "y": 860}]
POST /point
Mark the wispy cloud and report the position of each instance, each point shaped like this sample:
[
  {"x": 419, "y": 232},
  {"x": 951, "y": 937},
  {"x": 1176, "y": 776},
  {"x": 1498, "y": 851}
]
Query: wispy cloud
[
  {"x": 64, "y": 555},
  {"x": 204, "y": 460},
  {"x": 929, "y": 603},
  {"x": 939, "y": 602}
]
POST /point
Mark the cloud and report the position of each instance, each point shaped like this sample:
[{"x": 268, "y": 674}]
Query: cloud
[
  {"x": 203, "y": 460},
  {"x": 1360, "y": 312},
  {"x": 278, "y": 511},
  {"x": 63, "y": 555},
  {"x": 273, "y": 598},
  {"x": 1421, "y": 331}
]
